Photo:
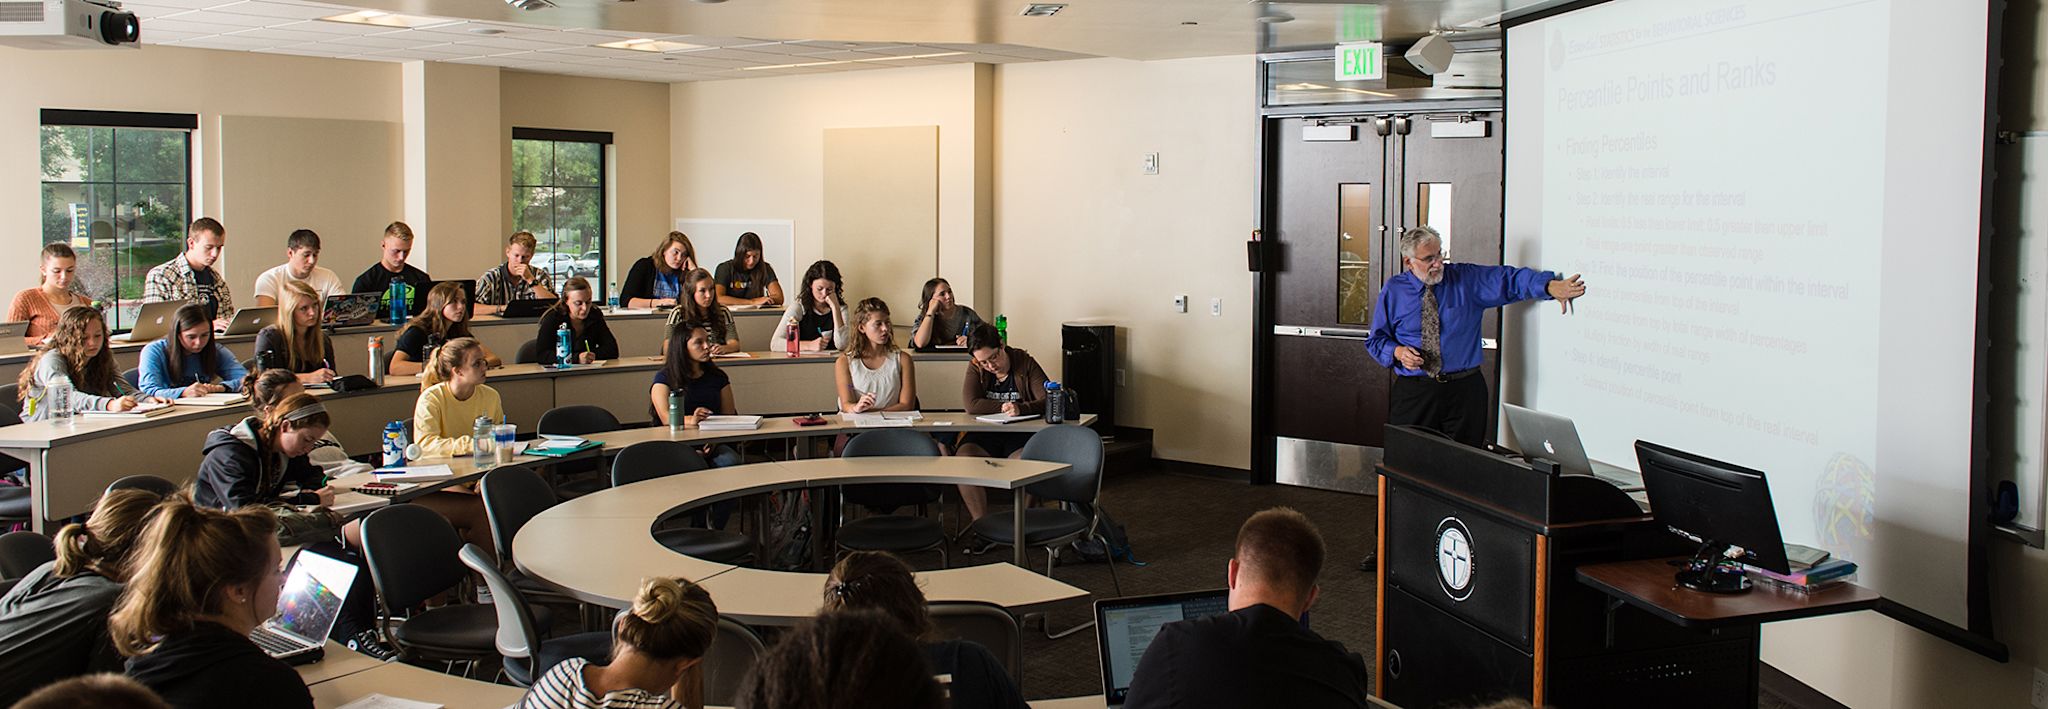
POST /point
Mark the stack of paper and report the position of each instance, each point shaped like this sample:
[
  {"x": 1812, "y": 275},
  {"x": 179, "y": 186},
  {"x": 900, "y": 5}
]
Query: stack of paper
[
  {"x": 141, "y": 411},
  {"x": 729, "y": 423},
  {"x": 882, "y": 419},
  {"x": 414, "y": 474},
  {"x": 557, "y": 446},
  {"x": 225, "y": 398},
  {"x": 1005, "y": 418}
]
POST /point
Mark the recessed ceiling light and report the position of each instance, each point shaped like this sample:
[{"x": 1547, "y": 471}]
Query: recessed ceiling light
[
  {"x": 530, "y": 5},
  {"x": 655, "y": 46},
  {"x": 874, "y": 60},
  {"x": 1043, "y": 9},
  {"x": 485, "y": 30},
  {"x": 386, "y": 19}
]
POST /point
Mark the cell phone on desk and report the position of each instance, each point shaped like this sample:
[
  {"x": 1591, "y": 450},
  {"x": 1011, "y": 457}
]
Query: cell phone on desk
[{"x": 811, "y": 420}]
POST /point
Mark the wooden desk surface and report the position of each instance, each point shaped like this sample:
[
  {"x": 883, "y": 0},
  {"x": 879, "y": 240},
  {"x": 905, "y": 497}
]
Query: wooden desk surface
[
  {"x": 338, "y": 662},
  {"x": 1648, "y": 584},
  {"x": 762, "y": 597},
  {"x": 408, "y": 682}
]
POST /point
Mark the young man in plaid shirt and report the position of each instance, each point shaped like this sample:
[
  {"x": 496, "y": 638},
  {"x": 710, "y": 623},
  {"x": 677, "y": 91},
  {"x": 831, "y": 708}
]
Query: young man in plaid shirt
[{"x": 191, "y": 275}]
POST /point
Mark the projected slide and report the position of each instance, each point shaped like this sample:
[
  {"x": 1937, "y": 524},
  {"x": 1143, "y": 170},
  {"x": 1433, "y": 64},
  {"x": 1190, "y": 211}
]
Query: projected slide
[{"x": 1745, "y": 190}]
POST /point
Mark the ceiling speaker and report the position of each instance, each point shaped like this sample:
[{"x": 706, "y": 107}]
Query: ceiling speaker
[{"x": 1430, "y": 55}]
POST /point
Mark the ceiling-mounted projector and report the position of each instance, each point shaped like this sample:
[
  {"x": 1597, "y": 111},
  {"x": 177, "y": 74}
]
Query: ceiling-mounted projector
[
  {"x": 67, "y": 24},
  {"x": 1430, "y": 55}
]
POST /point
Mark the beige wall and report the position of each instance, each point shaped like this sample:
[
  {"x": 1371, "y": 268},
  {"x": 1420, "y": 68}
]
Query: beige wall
[
  {"x": 754, "y": 149},
  {"x": 1082, "y": 235},
  {"x": 208, "y": 83},
  {"x": 457, "y": 185},
  {"x": 636, "y": 114}
]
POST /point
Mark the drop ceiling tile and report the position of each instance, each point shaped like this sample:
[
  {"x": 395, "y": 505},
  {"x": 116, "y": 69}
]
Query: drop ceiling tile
[
  {"x": 837, "y": 56},
  {"x": 159, "y": 36},
  {"x": 502, "y": 43},
  {"x": 192, "y": 4},
  {"x": 226, "y": 20},
  {"x": 281, "y": 36},
  {"x": 309, "y": 51},
  {"x": 989, "y": 59},
  {"x": 437, "y": 52},
  {"x": 192, "y": 28},
  {"x": 781, "y": 48},
  {"x": 371, "y": 44},
  {"x": 1037, "y": 53},
  {"x": 504, "y": 30},
  {"x": 739, "y": 55},
  {"x": 820, "y": 45},
  {"x": 710, "y": 41},
  {"x": 586, "y": 52},
  {"x": 259, "y": 8},
  {"x": 907, "y": 50},
  {"x": 151, "y": 12},
  {"x": 334, "y": 28},
  {"x": 905, "y": 62},
  {"x": 226, "y": 42}
]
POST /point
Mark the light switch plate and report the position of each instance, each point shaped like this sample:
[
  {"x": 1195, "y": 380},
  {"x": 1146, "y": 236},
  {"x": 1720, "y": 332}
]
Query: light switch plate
[
  {"x": 1215, "y": 306},
  {"x": 1180, "y": 304},
  {"x": 1150, "y": 164}
]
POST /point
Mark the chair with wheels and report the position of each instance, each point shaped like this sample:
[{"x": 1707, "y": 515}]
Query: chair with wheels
[
  {"x": 526, "y": 655},
  {"x": 887, "y": 531},
  {"x": 658, "y": 459},
  {"x": 414, "y": 555},
  {"x": 22, "y": 552},
  {"x": 987, "y": 625}
]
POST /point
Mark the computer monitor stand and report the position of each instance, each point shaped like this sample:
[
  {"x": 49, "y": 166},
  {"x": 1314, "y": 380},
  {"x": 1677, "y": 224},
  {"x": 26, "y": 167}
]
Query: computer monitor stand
[{"x": 1711, "y": 571}]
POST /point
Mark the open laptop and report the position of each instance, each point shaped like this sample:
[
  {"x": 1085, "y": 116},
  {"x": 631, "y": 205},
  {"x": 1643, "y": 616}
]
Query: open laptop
[
  {"x": 350, "y": 309},
  {"x": 152, "y": 321},
  {"x": 314, "y": 590},
  {"x": 527, "y": 307},
  {"x": 249, "y": 321},
  {"x": 1555, "y": 438},
  {"x": 13, "y": 338},
  {"x": 1124, "y": 627}
]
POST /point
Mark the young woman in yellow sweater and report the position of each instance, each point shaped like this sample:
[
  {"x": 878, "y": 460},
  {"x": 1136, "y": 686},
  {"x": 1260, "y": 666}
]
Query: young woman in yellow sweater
[{"x": 452, "y": 396}]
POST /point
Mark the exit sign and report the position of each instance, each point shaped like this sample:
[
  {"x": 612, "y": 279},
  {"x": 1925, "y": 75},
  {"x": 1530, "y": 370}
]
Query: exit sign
[{"x": 1359, "y": 62}]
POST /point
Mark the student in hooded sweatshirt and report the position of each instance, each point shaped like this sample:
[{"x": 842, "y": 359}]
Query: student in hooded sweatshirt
[
  {"x": 203, "y": 580},
  {"x": 53, "y": 623}
]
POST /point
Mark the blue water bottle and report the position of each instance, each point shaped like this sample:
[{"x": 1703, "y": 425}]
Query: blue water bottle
[
  {"x": 1055, "y": 406},
  {"x": 562, "y": 344},
  {"x": 394, "y": 444},
  {"x": 395, "y": 295}
]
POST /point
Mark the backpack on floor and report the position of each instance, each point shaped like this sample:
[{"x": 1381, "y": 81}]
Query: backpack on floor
[{"x": 1089, "y": 551}]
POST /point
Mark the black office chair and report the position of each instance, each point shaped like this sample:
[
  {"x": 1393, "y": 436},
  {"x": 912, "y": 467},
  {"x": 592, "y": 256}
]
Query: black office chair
[
  {"x": 580, "y": 420},
  {"x": 15, "y": 507},
  {"x": 413, "y": 555},
  {"x": 526, "y": 655},
  {"x": 21, "y": 552},
  {"x": 1080, "y": 487},
  {"x": 151, "y": 483},
  {"x": 732, "y": 655},
  {"x": 134, "y": 377},
  {"x": 529, "y": 352},
  {"x": 987, "y": 625},
  {"x": 885, "y": 530},
  {"x": 657, "y": 459},
  {"x": 513, "y": 494}
]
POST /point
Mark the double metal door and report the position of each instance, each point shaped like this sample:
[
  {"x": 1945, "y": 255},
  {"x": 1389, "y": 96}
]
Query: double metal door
[{"x": 1339, "y": 191}]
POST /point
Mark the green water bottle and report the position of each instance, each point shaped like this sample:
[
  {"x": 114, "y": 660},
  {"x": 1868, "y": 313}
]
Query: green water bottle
[{"x": 1002, "y": 328}]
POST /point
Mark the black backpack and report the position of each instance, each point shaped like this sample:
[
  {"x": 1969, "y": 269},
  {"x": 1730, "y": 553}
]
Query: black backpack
[{"x": 1089, "y": 551}]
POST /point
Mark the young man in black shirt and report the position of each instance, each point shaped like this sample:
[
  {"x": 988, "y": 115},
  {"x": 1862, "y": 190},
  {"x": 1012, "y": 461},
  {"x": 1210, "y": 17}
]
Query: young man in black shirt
[
  {"x": 1258, "y": 654},
  {"x": 390, "y": 267}
]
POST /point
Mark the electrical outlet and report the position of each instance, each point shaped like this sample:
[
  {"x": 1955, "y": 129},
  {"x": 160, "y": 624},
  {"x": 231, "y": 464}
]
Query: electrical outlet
[
  {"x": 1180, "y": 304},
  {"x": 1215, "y": 306},
  {"x": 2040, "y": 700},
  {"x": 1119, "y": 376}
]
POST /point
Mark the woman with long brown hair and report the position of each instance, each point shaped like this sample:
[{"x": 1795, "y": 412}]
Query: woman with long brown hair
[
  {"x": 657, "y": 280},
  {"x": 53, "y": 623},
  {"x": 747, "y": 279},
  {"x": 76, "y": 355},
  {"x": 296, "y": 342},
  {"x": 700, "y": 305},
  {"x": 873, "y": 580},
  {"x": 848, "y": 659},
  {"x": 186, "y": 362},
  {"x": 445, "y": 318},
  {"x": 590, "y": 339},
  {"x": 202, "y": 581}
]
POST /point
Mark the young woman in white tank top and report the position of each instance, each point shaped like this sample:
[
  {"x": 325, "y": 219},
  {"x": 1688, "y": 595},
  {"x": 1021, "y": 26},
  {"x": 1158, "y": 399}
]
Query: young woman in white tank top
[{"x": 873, "y": 374}]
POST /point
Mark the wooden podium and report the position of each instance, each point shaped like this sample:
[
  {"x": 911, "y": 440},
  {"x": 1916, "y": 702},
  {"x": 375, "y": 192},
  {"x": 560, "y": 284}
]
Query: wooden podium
[{"x": 1478, "y": 598}]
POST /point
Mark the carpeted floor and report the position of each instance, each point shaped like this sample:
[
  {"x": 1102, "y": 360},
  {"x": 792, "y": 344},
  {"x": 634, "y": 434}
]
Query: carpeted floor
[{"x": 1183, "y": 526}]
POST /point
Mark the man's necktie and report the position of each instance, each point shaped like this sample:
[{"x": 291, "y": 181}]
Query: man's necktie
[{"x": 1432, "y": 334}]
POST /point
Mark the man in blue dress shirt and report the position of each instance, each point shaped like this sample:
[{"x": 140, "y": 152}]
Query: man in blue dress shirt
[{"x": 1426, "y": 328}]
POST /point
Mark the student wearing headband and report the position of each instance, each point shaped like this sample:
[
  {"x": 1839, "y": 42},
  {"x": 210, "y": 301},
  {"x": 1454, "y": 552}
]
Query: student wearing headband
[{"x": 266, "y": 459}]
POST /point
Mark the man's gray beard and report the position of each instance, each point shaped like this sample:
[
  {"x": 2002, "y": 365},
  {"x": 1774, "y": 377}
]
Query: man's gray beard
[{"x": 1433, "y": 280}]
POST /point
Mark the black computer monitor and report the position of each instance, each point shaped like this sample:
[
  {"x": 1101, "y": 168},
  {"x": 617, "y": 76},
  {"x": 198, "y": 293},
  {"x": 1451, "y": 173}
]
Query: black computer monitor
[{"x": 1720, "y": 505}]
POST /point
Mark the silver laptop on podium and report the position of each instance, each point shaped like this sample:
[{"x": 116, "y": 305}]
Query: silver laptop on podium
[{"x": 1554, "y": 437}]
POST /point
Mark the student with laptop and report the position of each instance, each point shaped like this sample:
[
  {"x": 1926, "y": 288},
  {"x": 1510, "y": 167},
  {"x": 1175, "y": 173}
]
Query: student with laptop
[
  {"x": 878, "y": 581},
  {"x": 1260, "y": 653},
  {"x": 872, "y": 373},
  {"x": 75, "y": 358},
  {"x": 941, "y": 322},
  {"x": 191, "y": 275},
  {"x": 445, "y": 318},
  {"x": 53, "y": 623},
  {"x": 515, "y": 279},
  {"x": 296, "y": 342},
  {"x": 40, "y": 305},
  {"x": 701, "y": 305},
  {"x": 204, "y": 580},
  {"x": 391, "y": 268},
  {"x": 658, "y": 648},
  {"x": 590, "y": 339},
  {"x": 301, "y": 265},
  {"x": 748, "y": 279},
  {"x": 656, "y": 281},
  {"x": 187, "y": 362}
]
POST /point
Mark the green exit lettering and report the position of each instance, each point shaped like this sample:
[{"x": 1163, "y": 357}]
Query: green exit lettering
[{"x": 1359, "y": 62}]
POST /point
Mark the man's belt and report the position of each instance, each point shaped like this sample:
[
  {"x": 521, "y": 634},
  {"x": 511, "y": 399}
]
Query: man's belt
[{"x": 1450, "y": 376}]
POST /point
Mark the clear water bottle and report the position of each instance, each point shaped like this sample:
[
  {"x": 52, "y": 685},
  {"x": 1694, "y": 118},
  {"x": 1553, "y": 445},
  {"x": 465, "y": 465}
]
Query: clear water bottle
[
  {"x": 483, "y": 446},
  {"x": 675, "y": 412},
  {"x": 1002, "y": 328},
  {"x": 58, "y": 397},
  {"x": 562, "y": 344},
  {"x": 1055, "y": 403}
]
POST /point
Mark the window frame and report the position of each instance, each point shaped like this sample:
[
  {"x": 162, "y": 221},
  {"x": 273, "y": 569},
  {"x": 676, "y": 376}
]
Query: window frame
[
  {"x": 118, "y": 120},
  {"x": 603, "y": 140}
]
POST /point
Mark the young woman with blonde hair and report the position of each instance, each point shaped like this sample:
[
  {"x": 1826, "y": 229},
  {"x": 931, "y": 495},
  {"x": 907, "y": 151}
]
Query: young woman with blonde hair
[
  {"x": 53, "y": 623},
  {"x": 872, "y": 373},
  {"x": 296, "y": 342},
  {"x": 657, "y": 649},
  {"x": 452, "y": 396}
]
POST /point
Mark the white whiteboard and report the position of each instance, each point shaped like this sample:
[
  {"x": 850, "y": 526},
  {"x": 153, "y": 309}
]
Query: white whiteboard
[{"x": 714, "y": 239}]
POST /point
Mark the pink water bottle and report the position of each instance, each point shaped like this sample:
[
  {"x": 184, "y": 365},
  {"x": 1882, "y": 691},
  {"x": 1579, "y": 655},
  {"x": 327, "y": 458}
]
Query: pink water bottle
[{"x": 789, "y": 338}]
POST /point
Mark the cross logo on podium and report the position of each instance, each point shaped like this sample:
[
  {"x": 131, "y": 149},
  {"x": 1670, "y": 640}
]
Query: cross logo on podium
[{"x": 1454, "y": 558}]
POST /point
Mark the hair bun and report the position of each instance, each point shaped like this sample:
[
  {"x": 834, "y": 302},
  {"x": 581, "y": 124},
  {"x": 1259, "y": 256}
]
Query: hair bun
[{"x": 659, "y": 599}]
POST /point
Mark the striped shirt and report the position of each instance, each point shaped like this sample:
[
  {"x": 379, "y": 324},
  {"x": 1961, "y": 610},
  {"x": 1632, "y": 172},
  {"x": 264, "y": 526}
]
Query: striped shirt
[{"x": 561, "y": 687}]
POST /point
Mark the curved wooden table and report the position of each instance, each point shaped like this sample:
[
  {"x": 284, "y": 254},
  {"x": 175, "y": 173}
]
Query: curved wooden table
[{"x": 598, "y": 547}]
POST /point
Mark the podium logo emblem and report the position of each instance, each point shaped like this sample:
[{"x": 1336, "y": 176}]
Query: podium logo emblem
[{"x": 1454, "y": 558}]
